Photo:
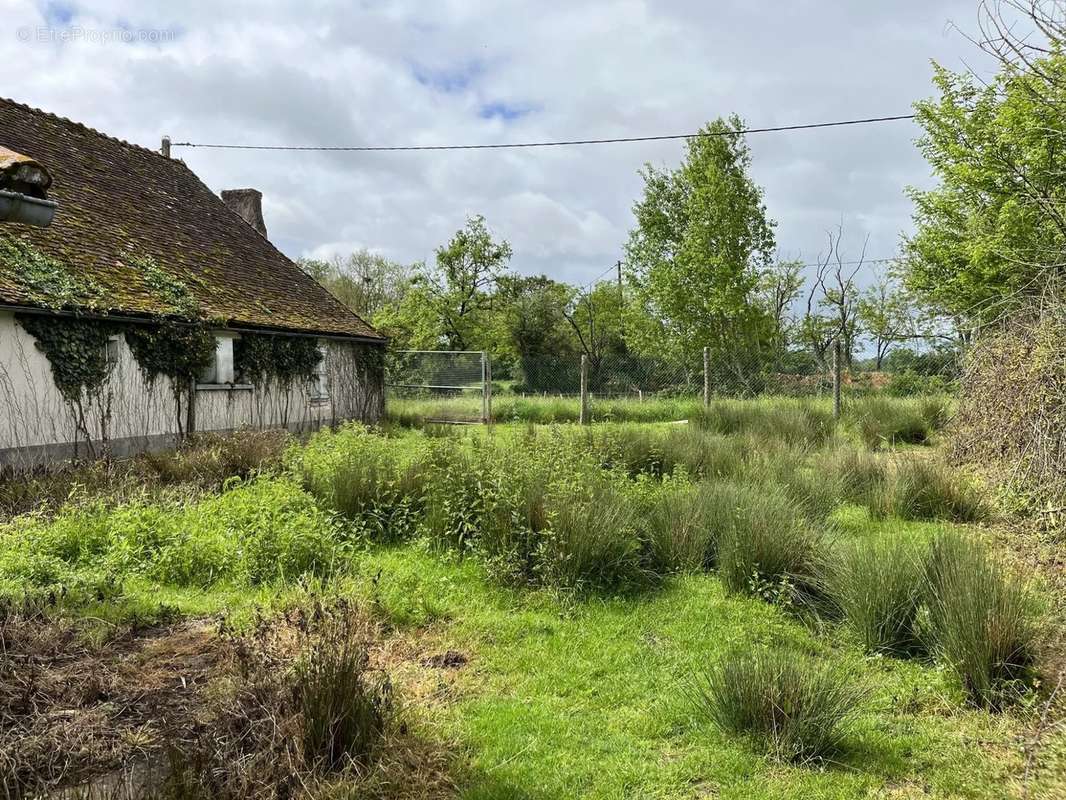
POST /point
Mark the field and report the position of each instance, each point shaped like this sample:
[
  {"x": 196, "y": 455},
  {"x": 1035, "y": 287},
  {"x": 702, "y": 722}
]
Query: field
[{"x": 758, "y": 603}]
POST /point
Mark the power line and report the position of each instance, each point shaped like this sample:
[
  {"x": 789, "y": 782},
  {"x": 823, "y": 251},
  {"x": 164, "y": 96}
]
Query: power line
[{"x": 560, "y": 143}]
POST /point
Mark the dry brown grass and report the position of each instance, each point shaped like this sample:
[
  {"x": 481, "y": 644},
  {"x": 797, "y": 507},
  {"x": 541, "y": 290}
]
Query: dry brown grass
[{"x": 197, "y": 709}]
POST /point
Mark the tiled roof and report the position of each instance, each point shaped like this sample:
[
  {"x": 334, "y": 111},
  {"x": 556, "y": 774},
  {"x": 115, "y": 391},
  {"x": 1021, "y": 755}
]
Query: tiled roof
[{"x": 121, "y": 206}]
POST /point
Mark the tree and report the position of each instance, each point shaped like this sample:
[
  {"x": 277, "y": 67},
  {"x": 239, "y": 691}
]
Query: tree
[
  {"x": 460, "y": 287},
  {"x": 701, "y": 241},
  {"x": 779, "y": 288},
  {"x": 364, "y": 281},
  {"x": 834, "y": 288},
  {"x": 595, "y": 317},
  {"x": 885, "y": 314},
  {"x": 992, "y": 234}
]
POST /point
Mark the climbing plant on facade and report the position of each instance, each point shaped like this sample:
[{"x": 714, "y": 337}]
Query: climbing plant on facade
[
  {"x": 283, "y": 360},
  {"x": 76, "y": 350}
]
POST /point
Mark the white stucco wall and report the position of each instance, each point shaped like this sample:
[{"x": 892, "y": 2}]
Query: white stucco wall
[{"x": 37, "y": 424}]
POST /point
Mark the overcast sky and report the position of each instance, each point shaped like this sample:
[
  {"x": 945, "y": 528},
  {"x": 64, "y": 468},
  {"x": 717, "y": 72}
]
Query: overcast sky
[{"x": 458, "y": 71}]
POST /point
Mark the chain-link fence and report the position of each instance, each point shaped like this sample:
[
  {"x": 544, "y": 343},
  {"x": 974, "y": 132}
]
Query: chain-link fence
[{"x": 468, "y": 380}]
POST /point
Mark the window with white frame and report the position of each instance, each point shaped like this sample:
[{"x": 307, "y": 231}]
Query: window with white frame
[
  {"x": 220, "y": 370},
  {"x": 111, "y": 351},
  {"x": 320, "y": 382}
]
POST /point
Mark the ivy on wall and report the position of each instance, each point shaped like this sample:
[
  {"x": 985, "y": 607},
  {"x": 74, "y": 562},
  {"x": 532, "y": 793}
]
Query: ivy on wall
[
  {"x": 286, "y": 360},
  {"x": 179, "y": 352},
  {"x": 76, "y": 350}
]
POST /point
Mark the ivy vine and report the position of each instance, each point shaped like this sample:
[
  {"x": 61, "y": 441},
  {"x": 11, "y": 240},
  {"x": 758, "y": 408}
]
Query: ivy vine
[
  {"x": 285, "y": 360},
  {"x": 76, "y": 350}
]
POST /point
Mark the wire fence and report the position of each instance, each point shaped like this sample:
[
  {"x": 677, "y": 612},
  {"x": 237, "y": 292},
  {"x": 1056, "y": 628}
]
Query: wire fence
[{"x": 915, "y": 367}]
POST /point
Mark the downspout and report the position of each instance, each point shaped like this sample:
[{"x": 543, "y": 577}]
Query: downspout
[{"x": 15, "y": 207}]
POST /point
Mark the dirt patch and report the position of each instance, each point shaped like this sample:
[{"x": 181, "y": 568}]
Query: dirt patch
[
  {"x": 450, "y": 659},
  {"x": 71, "y": 704}
]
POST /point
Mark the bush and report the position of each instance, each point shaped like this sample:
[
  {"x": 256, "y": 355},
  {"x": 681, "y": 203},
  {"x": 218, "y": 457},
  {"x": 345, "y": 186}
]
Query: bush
[
  {"x": 765, "y": 546},
  {"x": 878, "y": 589},
  {"x": 982, "y": 620},
  {"x": 210, "y": 459},
  {"x": 922, "y": 488},
  {"x": 375, "y": 482},
  {"x": 800, "y": 709}
]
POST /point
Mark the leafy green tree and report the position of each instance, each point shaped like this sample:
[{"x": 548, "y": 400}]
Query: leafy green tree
[
  {"x": 530, "y": 313},
  {"x": 461, "y": 286},
  {"x": 886, "y": 315},
  {"x": 596, "y": 320},
  {"x": 994, "y": 230},
  {"x": 701, "y": 241},
  {"x": 365, "y": 282}
]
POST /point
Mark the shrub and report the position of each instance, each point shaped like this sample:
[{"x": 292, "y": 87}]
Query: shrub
[
  {"x": 765, "y": 546},
  {"x": 800, "y": 709},
  {"x": 922, "y": 488},
  {"x": 878, "y": 589},
  {"x": 981, "y": 619},
  {"x": 209, "y": 459}
]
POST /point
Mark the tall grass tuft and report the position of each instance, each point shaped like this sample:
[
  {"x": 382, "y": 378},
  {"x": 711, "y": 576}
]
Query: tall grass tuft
[
  {"x": 877, "y": 586},
  {"x": 765, "y": 545},
  {"x": 882, "y": 421},
  {"x": 793, "y": 421},
  {"x": 683, "y": 523},
  {"x": 982, "y": 620},
  {"x": 344, "y": 706},
  {"x": 593, "y": 541},
  {"x": 800, "y": 709},
  {"x": 923, "y": 488}
]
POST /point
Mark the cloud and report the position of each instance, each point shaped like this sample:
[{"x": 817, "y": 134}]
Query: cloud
[{"x": 326, "y": 72}]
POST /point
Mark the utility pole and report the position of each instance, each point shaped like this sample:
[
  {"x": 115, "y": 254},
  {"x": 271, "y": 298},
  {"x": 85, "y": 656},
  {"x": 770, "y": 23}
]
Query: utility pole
[{"x": 584, "y": 415}]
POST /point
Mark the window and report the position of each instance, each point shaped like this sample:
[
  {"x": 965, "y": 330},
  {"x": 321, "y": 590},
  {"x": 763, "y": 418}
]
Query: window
[
  {"x": 111, "y": 351},
  {"x": 220, "y": 370},
  {"x": 320, "y": 382}
]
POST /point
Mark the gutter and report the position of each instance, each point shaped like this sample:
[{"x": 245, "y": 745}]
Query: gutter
[{"x": 15, "y": 207}]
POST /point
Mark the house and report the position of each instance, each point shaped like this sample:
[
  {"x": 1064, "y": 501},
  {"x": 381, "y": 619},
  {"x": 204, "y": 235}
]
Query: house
[{"x": 150, "y": 307}]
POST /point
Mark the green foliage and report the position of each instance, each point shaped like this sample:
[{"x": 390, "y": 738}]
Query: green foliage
[
  {"x": 700, "y": 245},
  {"x": 798, "y": 708},
  {"x": 285, "y": 360},
  {"x": 683, "y": 523},
  {"x": 76, "y": 350},
  {"x": 256, "y": 533},
  {"x": 883, "y": 422},
  {"x": 793, "y": 421},
  {"x": 173, "y": 294},
  {"x": 48, "y": 282},
  {"x": 992, "y": 231},
  {"x": 180, "y": 352},
  {"x": 878, "y": 587},
  {"x": 982, "y": 620}
]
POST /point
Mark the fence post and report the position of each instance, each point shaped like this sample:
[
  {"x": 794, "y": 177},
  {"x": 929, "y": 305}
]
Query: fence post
[
  {"x": 584, "y": 419},
  {"x": 484, "y": 386},
  {"x": 836, "y": 378},
  {"x": 706, "y": 377},
  {"x": 488, "y": 389}
]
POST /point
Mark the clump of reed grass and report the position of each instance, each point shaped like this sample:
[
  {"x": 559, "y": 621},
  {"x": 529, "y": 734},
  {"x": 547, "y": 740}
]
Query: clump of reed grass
[
  {"x": 683, "y": 524},
  {"x": 878, "y": 588},
  {"x": 982, "y": 620},
  {"x": 800, "y": 709},
  {"x": 919, "y": 487},
  {"x": 766, "y": 547},
  {"x": 792, "y": 421},
  {"x": 883, "y": 421}
]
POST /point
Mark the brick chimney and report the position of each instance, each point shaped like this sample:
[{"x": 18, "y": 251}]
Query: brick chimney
[{"x": 248, "y": 203}]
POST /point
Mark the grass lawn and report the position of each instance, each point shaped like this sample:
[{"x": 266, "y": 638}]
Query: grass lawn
[
  {"x": 591, "y": 699},
  {"x": 547, "y": 603}
]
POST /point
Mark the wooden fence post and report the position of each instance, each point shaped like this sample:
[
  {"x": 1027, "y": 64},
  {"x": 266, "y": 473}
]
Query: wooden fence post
[
  {"x": 706, "y": 377},
  {"x": 836, "y": 378},
  {"x": 484, "y": 387},
  {"x": 584, "y": 419},
  {"x": 488, "y": 389}
]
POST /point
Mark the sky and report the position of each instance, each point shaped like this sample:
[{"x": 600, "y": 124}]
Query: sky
[{"x": 321, "y": 72}]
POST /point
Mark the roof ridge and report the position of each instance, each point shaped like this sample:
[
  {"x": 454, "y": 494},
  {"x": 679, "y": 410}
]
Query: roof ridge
[{"x": 89, "y": 128}]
